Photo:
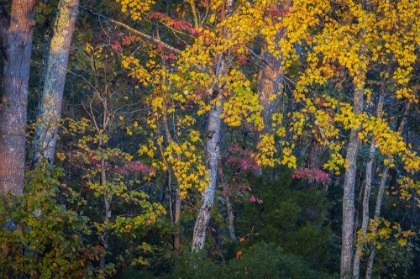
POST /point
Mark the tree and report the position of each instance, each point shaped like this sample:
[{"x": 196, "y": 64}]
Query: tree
[
  {"x": 16, "y": 33},
  {"x": 359, "y": 44},
  {"x": 54, "y": 80}
]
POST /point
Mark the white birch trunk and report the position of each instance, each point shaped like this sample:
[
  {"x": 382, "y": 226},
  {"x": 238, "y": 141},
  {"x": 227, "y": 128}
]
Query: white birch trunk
[
  {"x": 212, "y": 147},
  {"x": 212, "y": 160}
]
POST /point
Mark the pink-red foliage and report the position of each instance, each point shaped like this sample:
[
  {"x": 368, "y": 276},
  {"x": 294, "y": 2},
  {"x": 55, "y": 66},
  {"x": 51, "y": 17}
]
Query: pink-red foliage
[
  {"x": 318, "y": 175},
  {"x": 243, "y": 158}
]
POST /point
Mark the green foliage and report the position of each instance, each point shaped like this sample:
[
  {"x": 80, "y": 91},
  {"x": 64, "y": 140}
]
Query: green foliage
[
  {"x": 260, "y": 261},
  {"x": 291, "y": 216},
  {"x": 394, "y": 261},
  {"x": 39, "y": 237}
]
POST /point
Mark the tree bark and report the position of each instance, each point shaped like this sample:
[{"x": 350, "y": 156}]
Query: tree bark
[
  {"x": 348, "y": 195},
  {"x": 366, "y": 197},
  {"x": 212, "y": 148},
  {"x": 16, "y": 34},
  {"x": 270, "y": 81},
  {"x": 52, "y": 96},
  {"x": 212, "y": 159}
]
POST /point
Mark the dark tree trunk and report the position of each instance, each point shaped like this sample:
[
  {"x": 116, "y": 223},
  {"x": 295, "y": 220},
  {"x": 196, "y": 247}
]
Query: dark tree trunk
[
  {"x": 16, "y": 34},
  {"x": 270, "y": 82}
]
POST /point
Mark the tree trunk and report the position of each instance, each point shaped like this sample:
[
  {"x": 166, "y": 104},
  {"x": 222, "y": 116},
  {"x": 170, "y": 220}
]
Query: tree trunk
[
  {"x": 366, "y": 197},
  {"x": 376, "y": 217},
  {"x": 212, "y": 159},
  {"x": 177, "y": 219},
  {"x": 212, "y": 148},
  {"x": 16, "y": 35},
  {"x": 270, "y": 81},
  {"x": 231, "y": 217},
  {"x": 315, "y": 160},
  {"x": 348, "y": 195},
  {"x": 379, "y": 199},
  {"x": 175, "y": 214},
  {"x": 228, "y": 204},
  {"x": 107, "y": 201},
  {"x": 52, "y": 96}
]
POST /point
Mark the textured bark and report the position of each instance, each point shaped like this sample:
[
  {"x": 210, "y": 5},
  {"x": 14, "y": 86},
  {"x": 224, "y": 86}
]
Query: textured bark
[
  {"x": 177, "y": 219},
  {"x": 52, "y": 96},
  {"x": 366, "y": 196},
  {"x": 348, "y": 195},
  {"x": 212, "y": 147},
  {"x": 16, "y": 34},
  {"x": 315, "y": 161},
  {"x": 270, "y": 81},
  {"x": 212, "y": 159}
]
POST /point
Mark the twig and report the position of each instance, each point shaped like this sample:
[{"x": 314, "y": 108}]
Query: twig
[{"x": 141, "y": 34}]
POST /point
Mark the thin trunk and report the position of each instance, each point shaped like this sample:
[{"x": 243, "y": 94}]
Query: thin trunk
[
  {"x": 212, "y": 148},
  {"x": 348, "y": 195},
  {"x": 52, "y": 96},
  {"x": 365, "y": 210},
  {"x": 176, "y": 214},
  {"x": 228, "y": 204},
  {"x": 376, "y": 218},
  {"x": 104, "y": 236},
  {"x": 16, "y": 35},
  {"x": 71, "y": 111},
  {"x": 358, "y": 208},
  {"x": 177, "y": 236},
  {"x": 231, "y": 217},
  {"x": 378, "y": 205},
  {"x": 366, "y": 197}
]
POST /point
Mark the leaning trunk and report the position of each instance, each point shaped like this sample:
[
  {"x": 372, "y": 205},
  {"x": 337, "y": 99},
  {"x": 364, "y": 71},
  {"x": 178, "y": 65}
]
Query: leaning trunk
[
  {"x": 212, "y": 159},
  {"x": 52, "y": 96},
  {"x": 212, "y": 146},
  {"x": 16, "y": 38},
  {"x": 348, "y": 195}
]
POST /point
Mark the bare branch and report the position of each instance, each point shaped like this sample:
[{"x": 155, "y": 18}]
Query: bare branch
[{"x": 141, "y": 34}]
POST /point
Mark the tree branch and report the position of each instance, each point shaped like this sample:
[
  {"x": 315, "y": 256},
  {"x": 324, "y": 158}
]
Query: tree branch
[{"x": 141, "y": 34}]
